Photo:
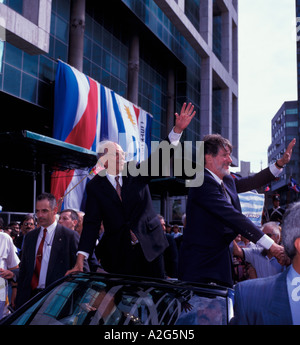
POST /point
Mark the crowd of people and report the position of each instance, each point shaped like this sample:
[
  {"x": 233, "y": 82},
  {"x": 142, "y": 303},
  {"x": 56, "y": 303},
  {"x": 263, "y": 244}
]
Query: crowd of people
[
  {"x": 122, "y": 232},
  {"x": 14, "y": 253}
]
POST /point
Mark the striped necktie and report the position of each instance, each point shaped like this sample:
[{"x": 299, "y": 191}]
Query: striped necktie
[{"x": 38, "y": 262}]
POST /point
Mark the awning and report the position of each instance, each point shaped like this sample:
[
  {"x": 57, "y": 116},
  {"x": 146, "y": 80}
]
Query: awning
[
  {"x": 174, "y": 186},
  {"x": 27, "y": 151}
]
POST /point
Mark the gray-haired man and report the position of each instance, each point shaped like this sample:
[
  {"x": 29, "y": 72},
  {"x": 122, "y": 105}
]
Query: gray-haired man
[{"x": 274, "y": 300}]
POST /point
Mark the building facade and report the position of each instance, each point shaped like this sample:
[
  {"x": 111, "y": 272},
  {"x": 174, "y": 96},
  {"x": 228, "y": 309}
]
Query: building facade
[
  {"x": 156, "y": 53},
  {"x": 285, "y": 127}
]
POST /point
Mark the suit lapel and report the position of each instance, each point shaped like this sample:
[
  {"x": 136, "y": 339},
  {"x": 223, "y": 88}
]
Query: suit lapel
[
  {"x": 57, "y": 244},
  {"x": 230, "y": 188},
  {"x": 279, "y": 311},
  {"x": 108, "y": 189},
  {"x": 32, "y": 247}
]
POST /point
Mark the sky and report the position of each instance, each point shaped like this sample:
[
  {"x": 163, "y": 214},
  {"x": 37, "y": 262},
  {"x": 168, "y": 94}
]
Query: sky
[{"x": 267, "y": 72}]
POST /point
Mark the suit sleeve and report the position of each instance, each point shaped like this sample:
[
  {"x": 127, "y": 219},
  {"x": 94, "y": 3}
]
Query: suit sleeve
[
  {"x": 91, "y": 222},
  {"x": 240, "y": 312},
  {"x": 211, "y": 198},
  {"x": 253, "y": 182}
]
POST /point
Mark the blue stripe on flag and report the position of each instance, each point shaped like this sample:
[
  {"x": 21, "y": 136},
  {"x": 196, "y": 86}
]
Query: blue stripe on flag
[
  {"x": 104, "y": 120},
  {"x": 66, "y": 101},
  {"x": 148, "y": 134},
  {"x": 120, "y": 122}
]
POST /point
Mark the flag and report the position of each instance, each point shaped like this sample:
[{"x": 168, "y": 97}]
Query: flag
[
  {"x": 252, "y": 205},
  {"x": 85, "y": 113},
  {"x": 294, "y": 185}
]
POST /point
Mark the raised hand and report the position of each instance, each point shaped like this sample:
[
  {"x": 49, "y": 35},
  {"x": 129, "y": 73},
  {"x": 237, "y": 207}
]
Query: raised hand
[
  {"x": 185, "y": 117},
  {"x": 287, "y": 154}
]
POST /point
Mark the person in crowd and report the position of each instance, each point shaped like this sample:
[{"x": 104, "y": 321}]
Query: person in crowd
[
  {"x": 274, "y": 300},
  {"x": 27, "y": 224},
  {"x": 14, "y": 225},
  {"x": 133, "y": 242},
  {"x": 79, "y": 225},
  {"x": 176, "y": 231},
  {"x": 276, "y": 213},
  {"x": 214, "y": 218},
  {"x": 262, "y": 260},
  {"x": 170, "y": 253},
  {"x": 9, "y": 261},
  {"x": 48, "y": 251},
  {"x": 242, "y": 270},
  {"x": 1, "y": 224},
  {"x": 68, "y": 218}
]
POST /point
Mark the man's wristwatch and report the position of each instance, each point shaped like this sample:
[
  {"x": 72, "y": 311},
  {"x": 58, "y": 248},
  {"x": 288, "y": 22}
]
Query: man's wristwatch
[{"x": 279, "y": 166}]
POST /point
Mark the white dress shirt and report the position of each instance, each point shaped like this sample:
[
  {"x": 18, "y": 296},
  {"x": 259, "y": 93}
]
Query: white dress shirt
[{"x": 46, "y": 252}]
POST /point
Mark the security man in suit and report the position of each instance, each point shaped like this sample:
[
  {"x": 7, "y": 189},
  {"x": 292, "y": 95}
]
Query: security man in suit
[
  {"x": 48, "y": 251},
  {"x": 133, "y": 241},
  {"x": 274, "y": 300},
  {"x": 214, "y": 218}
]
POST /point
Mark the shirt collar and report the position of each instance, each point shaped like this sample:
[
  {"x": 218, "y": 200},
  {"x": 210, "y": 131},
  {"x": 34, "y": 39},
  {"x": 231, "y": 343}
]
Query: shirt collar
[
  {"x": 217, "y": 178},
  {"x": 111, "y": 179},
  {"x": 50, "y": 228}
]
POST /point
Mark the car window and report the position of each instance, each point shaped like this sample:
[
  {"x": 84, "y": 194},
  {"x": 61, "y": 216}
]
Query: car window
[{"x": 83, "y": 301}]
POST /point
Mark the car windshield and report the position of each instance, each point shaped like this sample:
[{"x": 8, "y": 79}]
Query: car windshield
[{"x": 82, "y": 301}]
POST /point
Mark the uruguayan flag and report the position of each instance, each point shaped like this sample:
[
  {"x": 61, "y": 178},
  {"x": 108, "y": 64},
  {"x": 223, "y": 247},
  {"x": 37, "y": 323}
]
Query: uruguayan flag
[{"x": 252, "y": 206}]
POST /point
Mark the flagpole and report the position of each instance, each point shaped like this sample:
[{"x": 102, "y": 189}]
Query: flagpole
[{"x": 61, "y": 199}]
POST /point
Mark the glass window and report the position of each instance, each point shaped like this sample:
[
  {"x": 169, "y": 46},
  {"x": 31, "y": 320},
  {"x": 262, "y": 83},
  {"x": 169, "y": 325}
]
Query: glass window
[
  {"x": 30, "y": 64},
  {"x": 16, "y": 5},
  {"x": 61, "y": 51},
  {"x": 62, "y": 29},
  {"x": 292, "y": 124},
  {"x": 291, "y": 111},
  {"x": 12, "y": 80},
  {"x": 97, "y": 52},
  {"x": 13, "y": 55},
  {"x": 46, "y": 71},
  {"x": 29, "y": 88},
  {"x": 117, "y": 302}
]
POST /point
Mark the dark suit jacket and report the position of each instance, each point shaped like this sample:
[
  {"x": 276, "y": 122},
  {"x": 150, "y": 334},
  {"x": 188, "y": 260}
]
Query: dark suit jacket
[
  {"x": 262, "y": 301},
  {"x": 212, "y": 224},
  {"x": 62, "y": 258},
  {"x": 135, "y": 212}
]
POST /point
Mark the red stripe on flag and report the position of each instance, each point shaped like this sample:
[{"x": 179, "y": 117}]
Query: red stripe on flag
[
  {"x": 60, "y": 181},
  {"x": 83, "y": 134},
  {"x": 137, "y": 112}
]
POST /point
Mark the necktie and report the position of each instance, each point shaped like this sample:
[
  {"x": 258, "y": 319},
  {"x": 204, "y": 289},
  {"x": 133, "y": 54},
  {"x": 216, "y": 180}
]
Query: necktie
[
  {"x": 225, "y": 192},
  {"x": 118, "y": 187},
  {"x": 38, "y": 263},
  {"x": 134, "y": 239}
]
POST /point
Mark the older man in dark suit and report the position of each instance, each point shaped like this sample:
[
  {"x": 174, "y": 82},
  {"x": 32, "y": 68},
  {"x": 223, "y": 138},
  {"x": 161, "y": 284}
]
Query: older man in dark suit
[
  {"x": 133, "y": 241},
  {"x": 274, "y": 300},
  {"x": 214, "y": 218},
  {"x": 48, "y": 251}
]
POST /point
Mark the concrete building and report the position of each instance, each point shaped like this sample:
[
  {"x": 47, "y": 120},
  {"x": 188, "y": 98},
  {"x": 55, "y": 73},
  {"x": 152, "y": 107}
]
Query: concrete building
[
  {"x": 285, "y": 127},
  {"x": 156, "y": 53}
]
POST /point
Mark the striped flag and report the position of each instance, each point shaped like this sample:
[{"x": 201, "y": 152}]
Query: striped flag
[
  {"x": 252, "y": 205},
  {"x": 294, "y": 185},
  {"x": 85, "y": 113}
]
